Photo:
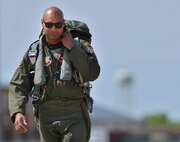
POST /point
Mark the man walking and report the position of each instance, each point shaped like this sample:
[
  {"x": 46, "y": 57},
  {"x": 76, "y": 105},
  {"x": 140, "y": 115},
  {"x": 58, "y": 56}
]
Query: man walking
[{"x": 56, "y": 80}]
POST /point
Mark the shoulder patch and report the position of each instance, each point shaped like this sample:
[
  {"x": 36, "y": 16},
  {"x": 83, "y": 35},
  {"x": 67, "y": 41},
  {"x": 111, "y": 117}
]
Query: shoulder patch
[{"x": 88, "y": 47}]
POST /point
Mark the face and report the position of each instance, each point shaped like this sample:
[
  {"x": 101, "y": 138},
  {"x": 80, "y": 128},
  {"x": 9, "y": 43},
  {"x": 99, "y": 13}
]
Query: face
[{"x": 53, "y": 27}]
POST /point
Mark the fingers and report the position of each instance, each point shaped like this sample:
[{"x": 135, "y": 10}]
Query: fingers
[
  {"x": 20, "y": 128},
  {"x": 67, "y": 40},
  {"x": 20, "y": 123}
]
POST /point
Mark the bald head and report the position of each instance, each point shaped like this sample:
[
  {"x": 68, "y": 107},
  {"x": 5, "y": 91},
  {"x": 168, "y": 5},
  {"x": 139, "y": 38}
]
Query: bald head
[
  {"x": 53, "y": 25},
  {"x": 53, "y": 12}
]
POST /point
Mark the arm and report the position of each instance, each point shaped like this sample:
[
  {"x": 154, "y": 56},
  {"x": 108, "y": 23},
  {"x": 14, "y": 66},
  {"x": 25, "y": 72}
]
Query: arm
[
  {"x": 83, "y": 58},
  {"x": 85, "y": 61},
  {"x": 19, "y": 89}
]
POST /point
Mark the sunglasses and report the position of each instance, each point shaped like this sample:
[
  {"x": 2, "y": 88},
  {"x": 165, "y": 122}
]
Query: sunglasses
[{"x": 50, "y": 25}]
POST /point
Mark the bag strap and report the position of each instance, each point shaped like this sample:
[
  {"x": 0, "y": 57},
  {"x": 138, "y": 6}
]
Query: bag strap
[{"x": 33, "y": 54}]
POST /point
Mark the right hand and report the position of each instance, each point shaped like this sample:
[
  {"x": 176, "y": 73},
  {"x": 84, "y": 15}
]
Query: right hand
[{"x": 20, "y": 123}]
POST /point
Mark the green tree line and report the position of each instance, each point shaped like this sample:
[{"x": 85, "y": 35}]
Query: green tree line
[{"x": 160, "y": 120}]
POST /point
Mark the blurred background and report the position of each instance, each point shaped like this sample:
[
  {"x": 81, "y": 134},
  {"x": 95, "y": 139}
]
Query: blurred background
[{"x": 137, "y": 43}]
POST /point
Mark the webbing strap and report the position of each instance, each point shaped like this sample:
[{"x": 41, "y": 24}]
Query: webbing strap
[
  {"x": 33, "y": 53},
  {"x": 36, "y": 94}
]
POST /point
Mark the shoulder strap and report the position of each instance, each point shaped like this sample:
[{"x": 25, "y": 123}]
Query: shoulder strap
[{"x": 33, "y": 53}]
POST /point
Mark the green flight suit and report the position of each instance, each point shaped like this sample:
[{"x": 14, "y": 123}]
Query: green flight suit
[{"x": 62, "y": 113}]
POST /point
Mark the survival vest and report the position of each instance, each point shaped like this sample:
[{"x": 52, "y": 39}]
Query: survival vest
[{"x": 78, "y": 30}]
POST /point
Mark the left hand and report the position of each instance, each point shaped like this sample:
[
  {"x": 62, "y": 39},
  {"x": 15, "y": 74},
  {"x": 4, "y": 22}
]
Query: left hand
[{"x": 68, "y": 40}]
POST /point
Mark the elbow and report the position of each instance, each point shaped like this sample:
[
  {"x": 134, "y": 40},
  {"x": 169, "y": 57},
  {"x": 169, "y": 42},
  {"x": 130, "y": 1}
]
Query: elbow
[
  {"x": 96, "y": 74},
  {"x": 93, "y": 74}
]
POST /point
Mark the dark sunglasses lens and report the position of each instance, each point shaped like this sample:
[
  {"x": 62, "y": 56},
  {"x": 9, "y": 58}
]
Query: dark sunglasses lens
[
  {"x": 58, "y": 24},
  {"x": 48, "y": 24}
]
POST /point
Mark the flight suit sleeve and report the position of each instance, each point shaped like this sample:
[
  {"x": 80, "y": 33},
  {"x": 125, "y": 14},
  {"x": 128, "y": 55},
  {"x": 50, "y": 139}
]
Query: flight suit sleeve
[
  {"x": 19, "y": 88},
  {"x": 85, "y": 61}
]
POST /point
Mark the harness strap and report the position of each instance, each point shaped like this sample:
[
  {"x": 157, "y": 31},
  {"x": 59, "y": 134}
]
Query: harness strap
[
  {"x": 85, "y": 85},
  {"x": 33, "y": 53},
  {"x": 36, "y": 94}
]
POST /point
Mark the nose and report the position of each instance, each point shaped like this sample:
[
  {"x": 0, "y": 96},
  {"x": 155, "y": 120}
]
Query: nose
[{"x": 53, "y": 28}]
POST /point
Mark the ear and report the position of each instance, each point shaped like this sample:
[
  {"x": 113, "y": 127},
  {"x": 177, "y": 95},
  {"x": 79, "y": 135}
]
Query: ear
[{"x": 42, "y": 23}]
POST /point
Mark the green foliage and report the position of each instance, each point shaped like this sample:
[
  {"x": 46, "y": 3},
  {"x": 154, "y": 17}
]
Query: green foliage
[
  {"x": 175, "y": 125},
  {"x": 156, "y": 120},
  {"x": 160, "y": 120}
]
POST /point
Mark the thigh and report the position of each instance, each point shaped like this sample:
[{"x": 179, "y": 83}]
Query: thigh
[
  {"x": 76, "y": 133},
  {"x": 48, "y": 134}
]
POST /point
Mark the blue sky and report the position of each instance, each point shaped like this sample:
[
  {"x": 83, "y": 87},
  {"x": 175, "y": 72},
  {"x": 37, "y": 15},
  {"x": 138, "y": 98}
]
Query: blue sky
[{"x": 140, "y": 36}]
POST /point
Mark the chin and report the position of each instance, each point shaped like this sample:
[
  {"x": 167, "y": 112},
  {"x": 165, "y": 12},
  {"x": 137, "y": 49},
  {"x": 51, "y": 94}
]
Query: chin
[{"x": 54, "y": 37}]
